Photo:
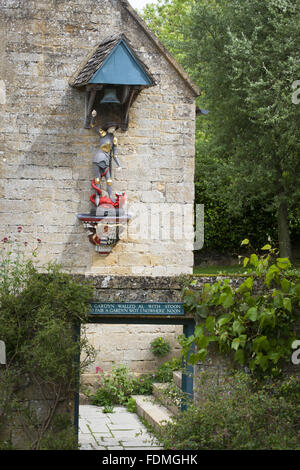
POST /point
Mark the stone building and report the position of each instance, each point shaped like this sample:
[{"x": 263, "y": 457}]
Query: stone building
[
  {"x": 46, "y": 163},
  {"x": 46, "y": 152}
]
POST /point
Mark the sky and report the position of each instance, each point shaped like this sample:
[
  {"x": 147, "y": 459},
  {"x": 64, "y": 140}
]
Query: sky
[{"x": 140, "y": 3}]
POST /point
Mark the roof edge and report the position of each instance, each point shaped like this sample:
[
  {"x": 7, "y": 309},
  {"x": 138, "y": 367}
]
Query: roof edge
[
  {"x": 82, "y": 64},
  {"x": 116, "y": 38},
  {"x": 180, "y": 70}
]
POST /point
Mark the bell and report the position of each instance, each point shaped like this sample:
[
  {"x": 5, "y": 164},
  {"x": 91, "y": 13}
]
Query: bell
[{"x": 110, "y": 96}]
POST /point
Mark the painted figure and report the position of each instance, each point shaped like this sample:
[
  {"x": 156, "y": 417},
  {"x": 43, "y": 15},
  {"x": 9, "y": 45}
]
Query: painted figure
[{"x": 102, "y": 161}]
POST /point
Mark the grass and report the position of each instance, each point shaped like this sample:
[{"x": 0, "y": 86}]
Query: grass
[{"x": 237, "y": 269}]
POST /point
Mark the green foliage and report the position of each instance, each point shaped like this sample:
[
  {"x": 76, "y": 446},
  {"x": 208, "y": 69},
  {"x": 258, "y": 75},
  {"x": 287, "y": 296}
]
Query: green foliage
[
  {"x": 117, "y": 386},
  {"x": 39, "y": 310},
  {"x": 108, "y": 409},
  {"x": 256, "y": 328},
  {"x": 238, "y": 413},
  {"x": 131, "y": 405},
  {"x": 160, "y": 346},
  {"x": 219, "y": 221},
  {"x": 245, "y": 55},
  {"x": 165, "y": 371},
  {"x": 174, "y": 395},
  {"x": 163, "y": 374},
  {"x": 61, "y": 436},
  {"x": 143, "y": 384},
  {"x": 244, "y": 58},
  {"x": 165, "y": 18}
]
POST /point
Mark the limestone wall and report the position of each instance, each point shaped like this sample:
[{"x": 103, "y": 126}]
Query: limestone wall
[
  {"x": 130, "y": 345},
  {"x": 46, "y": 154}
]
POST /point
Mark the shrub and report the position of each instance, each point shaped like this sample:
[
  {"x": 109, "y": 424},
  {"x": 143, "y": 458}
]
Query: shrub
[
  {"x": 143, "y": 384},
  {"x": 165, "y": 371},
  {"x": 239, "y": 414},
  {"x": 115, "y": 387},
  {"x": 160, "y": 347},
  {"x": 131, "y": 405},
  {"x": 38, "y": 315}
]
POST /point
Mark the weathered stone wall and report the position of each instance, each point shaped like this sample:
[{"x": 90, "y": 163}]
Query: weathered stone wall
[
  {"x": 130, "y": 345},
  {"x": 46, "y": 154},
  {"x": 18, "y": 432}
]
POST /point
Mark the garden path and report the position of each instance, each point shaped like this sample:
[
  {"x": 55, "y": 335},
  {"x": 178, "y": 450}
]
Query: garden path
[{"x": 120, "y": 430}]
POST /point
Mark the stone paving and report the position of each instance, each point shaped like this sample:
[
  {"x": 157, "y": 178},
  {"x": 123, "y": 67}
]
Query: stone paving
[{"x": 119, "y": 430}]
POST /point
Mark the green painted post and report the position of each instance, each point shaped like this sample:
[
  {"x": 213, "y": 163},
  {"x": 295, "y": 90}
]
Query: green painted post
[
  {"x": 187, "y": 384},
  {"x": 76, "y": 381}
]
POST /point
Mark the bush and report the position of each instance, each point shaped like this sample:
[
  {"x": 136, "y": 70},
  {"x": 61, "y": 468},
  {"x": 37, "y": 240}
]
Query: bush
[
  {"x": 160, "y": 347},
  {"x": 143, "y": 384},
  {"x": 165, "y": 371},
  {"x": 255, "y": 222},
  {"x": 38, "y": 315},
  {"x": 239, "y": 414},
  {"x": 116, "y": 387},
  {"x": 131, "y": 405}
]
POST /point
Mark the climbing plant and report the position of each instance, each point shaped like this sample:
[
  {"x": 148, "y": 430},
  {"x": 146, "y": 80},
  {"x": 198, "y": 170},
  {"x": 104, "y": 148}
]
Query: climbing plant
[
  {"x": 39, "y": 309},
  {"x": 255, "y": 322}
]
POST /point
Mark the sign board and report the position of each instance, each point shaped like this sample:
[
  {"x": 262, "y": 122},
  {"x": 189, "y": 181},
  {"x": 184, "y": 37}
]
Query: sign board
[{"x": 136, "y": 308}]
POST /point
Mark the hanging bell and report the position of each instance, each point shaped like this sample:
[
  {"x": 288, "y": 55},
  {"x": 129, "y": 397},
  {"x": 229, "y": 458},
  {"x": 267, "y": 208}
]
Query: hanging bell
[{"x": 110, "y": 96}]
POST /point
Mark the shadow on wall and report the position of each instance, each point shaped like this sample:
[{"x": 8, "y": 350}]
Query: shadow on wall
[{"x": 53, "y": 181}]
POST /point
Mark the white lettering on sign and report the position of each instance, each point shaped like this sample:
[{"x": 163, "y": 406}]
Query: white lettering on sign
[{"x": 124, "y": 308}]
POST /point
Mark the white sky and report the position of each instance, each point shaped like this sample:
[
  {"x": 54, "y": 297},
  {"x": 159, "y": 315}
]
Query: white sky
[{"x": 140, "y": 3}]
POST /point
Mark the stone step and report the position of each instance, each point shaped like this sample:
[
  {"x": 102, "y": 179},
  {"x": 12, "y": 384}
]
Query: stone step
[
  {"x": 84, "y": 400},
  {"x": 177, "y": 376},
  {"x": 152, "y": 411},
  {"x": 158, "y": 392}
]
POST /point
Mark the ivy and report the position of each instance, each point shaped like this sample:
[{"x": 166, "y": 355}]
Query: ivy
[{"x": 253, "y": 323}]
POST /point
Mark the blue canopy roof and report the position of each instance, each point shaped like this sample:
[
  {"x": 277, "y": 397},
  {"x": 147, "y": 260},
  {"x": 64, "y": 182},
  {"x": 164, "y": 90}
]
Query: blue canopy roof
[{"x": 121, "y": 67}]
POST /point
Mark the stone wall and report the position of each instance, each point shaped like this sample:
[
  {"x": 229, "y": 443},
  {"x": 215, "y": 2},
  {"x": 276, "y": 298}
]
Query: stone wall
[
  {"x": 46, "y": 154},
  {"x": 130, "y": 345},
  {"x": 21, "y": 430}
]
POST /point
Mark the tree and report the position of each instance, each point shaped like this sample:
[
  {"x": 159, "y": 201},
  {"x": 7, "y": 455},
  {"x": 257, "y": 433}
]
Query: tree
[
  {"x": 166, "y": 19},
  {"x": 244, "y": 56}
]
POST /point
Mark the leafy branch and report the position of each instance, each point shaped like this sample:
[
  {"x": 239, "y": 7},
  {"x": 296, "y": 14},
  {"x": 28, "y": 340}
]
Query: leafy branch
[{"x": 254, "y": 322}]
